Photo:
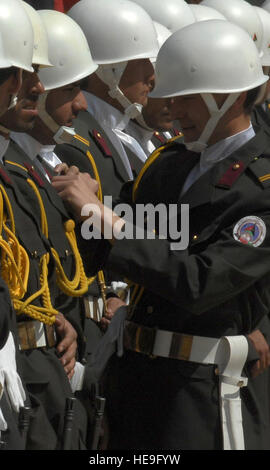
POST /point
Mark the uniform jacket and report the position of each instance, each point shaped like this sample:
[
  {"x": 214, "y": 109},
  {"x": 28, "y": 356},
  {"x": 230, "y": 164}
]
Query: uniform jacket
[{"x": 217, "y": 286}]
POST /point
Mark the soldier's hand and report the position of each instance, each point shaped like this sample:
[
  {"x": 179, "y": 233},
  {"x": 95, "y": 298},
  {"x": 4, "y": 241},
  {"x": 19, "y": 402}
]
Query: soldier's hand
[
  {"x": 261, "y": 346},
  {"x": 64, "y": 169},
  {"x": 112, "y": 304},
  {"x": 67, "y": 345},
  {"x": 77, "y": 189}
]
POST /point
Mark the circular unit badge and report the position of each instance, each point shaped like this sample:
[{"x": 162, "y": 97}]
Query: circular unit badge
[{"x": 250, "y": 230}]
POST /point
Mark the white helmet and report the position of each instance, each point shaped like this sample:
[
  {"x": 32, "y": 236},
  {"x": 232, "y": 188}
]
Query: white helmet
[
  {"x": 208, "y": 51},
  {"x": 203, "y": 13},
  {"x": 69, "y": 53},
  {"x": 17, "y": 35},
  {"x": 241, "y": 13},
  {"x": 163, "y": 33},
  {"x": 117, "y": 31},
  {"x": 265, "y": 19},
  {"x": 40, "y": 50},
  {"x": 174, "y": 14}
]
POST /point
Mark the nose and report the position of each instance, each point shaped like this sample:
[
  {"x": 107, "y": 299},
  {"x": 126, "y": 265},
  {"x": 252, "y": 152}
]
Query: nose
[
  {"x": 37, "y": 86},
  {"x": 79, "y": 103}
]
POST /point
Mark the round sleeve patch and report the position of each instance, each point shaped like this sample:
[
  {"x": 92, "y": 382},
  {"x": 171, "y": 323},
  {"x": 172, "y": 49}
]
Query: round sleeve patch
[{"x": 250, "y": 230}]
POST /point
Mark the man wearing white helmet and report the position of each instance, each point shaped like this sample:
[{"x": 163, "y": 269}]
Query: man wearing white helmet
[
  {"x": 182, "y": 383},
  {"x": 52, "y": 366},
  {"x": 119, "y": 89}
]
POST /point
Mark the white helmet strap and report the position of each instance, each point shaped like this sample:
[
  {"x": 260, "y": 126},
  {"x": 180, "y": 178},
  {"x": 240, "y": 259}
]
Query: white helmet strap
[
  {"x": 62, "y": 134},
  {"x": 215, "y": 116},
  {"x": 111, "y": 75}
]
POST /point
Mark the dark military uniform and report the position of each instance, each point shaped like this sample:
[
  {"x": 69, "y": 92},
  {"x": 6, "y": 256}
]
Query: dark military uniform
[
  {"x": 217, "y": 286},
  {"x": 92, "y": 138},
  {"x": 42, "y": 372}
]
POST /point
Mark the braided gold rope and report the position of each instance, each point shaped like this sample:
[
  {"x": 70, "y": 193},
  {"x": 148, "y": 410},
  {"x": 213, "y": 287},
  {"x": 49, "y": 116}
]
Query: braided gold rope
[
  {"x": 15, "y": 267},
  {"x": 77, "y": 286}
]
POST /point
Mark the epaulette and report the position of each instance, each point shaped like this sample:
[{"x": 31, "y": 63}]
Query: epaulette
[
  {"x": 260, "y": 167},
  {"x": 101, "y": 143}
]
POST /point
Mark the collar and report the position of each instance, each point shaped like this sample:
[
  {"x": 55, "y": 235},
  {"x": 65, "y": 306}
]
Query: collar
[
  {"x": 143, "y": 136},
  {"x": 30, "y": 145},
  {"x": 103, "y": 112},
  {"x": 224, "y": 148},
  {"x": 4, "y": 143}
]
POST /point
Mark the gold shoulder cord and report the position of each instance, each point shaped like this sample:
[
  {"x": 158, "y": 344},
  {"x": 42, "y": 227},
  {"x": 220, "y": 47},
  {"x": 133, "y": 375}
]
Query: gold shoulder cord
[
  {"x": 15, "y": 269},
  {"x": 79, "y": 284}
]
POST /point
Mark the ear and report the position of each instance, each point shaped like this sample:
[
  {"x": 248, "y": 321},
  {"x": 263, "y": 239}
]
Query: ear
[{"x": 15, "y": 82}]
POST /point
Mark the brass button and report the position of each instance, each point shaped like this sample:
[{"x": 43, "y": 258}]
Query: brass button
[
  {"x": 34, "y": 254},
  {"x": 69, "y": 225},
  {"x": 66, "y": 252},
  {"x": 98, "y": 135},
  {"x": 216, "y": 371},
  {"x": 195, "y": 237},
  {"x": 156, "y": 133},
  {"x": 240, "y": 383},
  {"x": 236, "y": 166}
]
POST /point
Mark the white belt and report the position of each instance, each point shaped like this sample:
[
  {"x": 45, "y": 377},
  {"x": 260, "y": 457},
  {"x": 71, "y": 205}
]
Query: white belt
[{"x": 229, "y": 353}]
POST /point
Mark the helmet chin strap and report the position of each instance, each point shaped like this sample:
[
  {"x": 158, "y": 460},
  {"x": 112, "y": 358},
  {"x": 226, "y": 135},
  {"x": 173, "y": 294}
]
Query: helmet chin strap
[
  {"x": 111, "y": 75},
  {"x": 62, "y": 134},
  {"x": 216, "y": 114}
]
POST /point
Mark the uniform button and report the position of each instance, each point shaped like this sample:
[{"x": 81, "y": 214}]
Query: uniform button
[
  {"x": 98, "y": 135},
  {"x": 69, "y": 225},
  {"x": 195, "y": 237},
  {"x": 34, "y": 254},
  {"x": 66, "y": 252},
  {"x": 150, "y": 309},
  {"x": 236, "y": 166},
  {"x": 156, "y": 133}
]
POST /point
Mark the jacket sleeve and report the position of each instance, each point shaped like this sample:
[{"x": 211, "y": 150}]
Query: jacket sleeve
[{"x": 219, "y": 270}]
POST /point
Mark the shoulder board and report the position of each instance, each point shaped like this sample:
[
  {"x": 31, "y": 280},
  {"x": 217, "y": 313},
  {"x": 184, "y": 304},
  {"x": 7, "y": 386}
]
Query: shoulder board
[{"x": 260, "y": 167}]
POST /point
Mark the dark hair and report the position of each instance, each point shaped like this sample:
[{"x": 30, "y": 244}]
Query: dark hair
[
  {"x": 249, "y": 103},
  {"x": 6, "y": 73}
]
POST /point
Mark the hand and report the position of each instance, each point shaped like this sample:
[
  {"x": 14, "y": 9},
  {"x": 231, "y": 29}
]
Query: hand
[
  {"x": 64, "y": 169},
  {"x": 9, "y": 377},
  {"x": 67, "y": 346},
  {"x": 259, "y": 343},
  {"x": 112, "y": 304},
  {"x": 77, "y": 189}
]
